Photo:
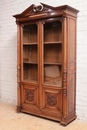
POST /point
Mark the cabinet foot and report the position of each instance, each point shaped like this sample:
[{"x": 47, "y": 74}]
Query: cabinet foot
[
  {"x": 66, "y": 120},
  {"x": 18, "y": 109}
]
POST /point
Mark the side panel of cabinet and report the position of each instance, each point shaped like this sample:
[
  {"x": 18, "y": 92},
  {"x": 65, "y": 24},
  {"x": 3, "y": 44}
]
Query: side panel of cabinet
[
  {"x": 71, "y": 65},
  {"x": 69, "y": 70},
  {"x": 18, "y": 68}
]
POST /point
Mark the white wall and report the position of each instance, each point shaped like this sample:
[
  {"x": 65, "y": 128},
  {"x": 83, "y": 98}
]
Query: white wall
[{"x": 8, "y": 49}]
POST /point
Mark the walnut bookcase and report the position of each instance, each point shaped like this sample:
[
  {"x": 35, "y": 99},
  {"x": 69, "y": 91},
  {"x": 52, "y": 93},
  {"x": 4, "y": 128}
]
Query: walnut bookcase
[{"x": 46, "y": 63}]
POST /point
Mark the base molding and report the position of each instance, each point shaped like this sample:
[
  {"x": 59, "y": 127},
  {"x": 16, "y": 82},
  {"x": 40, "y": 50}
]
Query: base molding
[{"x": 66, "y": 120}]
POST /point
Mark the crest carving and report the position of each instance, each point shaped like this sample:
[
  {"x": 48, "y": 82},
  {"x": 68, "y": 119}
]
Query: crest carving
[{"x": 37, "y": 8}]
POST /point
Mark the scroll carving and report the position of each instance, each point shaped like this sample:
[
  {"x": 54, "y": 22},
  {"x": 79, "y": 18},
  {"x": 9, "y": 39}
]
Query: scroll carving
[
  {"x": 37, "y": 8},
  {"x": 51, "y": 99},
  {"x": 30, "y": 95}
]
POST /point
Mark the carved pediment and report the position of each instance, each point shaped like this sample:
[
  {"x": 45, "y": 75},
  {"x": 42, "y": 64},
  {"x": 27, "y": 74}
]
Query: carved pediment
[
  {"x": 44, "y": 11},
  {"x": 35, "y": 9}
]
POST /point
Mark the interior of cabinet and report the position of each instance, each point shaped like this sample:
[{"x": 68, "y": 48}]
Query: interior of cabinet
[
  {"x": 30, "y": 34},
  {"x": 30, "y": 72},
  {"x": 53, "y": 53},
  {"x": 53, "y": 75},
  {"x": 30, "y": 54},
  {"x": 53, "y": 32}
]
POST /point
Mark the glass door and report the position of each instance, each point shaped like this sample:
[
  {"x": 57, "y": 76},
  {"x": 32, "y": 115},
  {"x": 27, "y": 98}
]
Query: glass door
[
  {"x": 52, "y": 59},
  {"x": 30, "y": 53}
]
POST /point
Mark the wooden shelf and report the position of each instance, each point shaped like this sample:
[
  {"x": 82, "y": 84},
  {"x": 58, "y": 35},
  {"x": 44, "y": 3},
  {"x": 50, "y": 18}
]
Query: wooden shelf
[
  {"x": 29, "y": 43},
  {"x": 51, "y": 42},
  {"x": 30, "y": 81},
  {"x": 28, "y": 62},
  {"x": 51, "y": 63}
]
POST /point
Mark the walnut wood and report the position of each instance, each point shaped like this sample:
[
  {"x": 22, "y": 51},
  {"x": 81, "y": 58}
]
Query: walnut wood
[
  {"x": 19, "y": 68},
  {"x": 46, "y": 62}
]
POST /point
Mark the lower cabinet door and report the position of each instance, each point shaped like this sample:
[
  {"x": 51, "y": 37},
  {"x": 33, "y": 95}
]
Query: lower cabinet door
[
  {"x": 30, "y": 101},
  {"x": 51, "y": 101}
]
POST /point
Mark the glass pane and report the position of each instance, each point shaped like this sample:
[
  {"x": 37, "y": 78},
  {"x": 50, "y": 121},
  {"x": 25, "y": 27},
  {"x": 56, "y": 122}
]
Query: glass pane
[
  {"x": 30, "y": 34},
  {"x": 53, "y": 32},
  {"x": 53, "y": 53},
  {"x": 52, "y": 75},
  {"x": 30, "y": 72},
  {"x": 30, "y": 53}
]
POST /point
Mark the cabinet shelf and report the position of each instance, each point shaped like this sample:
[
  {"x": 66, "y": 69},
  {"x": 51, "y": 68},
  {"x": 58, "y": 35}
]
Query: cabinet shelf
[
  {"x": 29, "y": 43},
  {"x": 27, "y": 62},
  {"x": 30, "y": 81},
  {"x": 55, "y": 42},
  {"x": 51, "y": 63}
]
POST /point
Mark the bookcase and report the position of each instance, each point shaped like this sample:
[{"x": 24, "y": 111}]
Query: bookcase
[{"x": 46, "y": 62}]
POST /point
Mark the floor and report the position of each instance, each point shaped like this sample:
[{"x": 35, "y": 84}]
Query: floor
[{"x": 10, "y": 120}]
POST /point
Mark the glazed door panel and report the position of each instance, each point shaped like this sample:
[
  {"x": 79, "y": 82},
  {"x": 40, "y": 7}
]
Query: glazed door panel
[
  {"x": 30, "y": 53},
  {"x": 52, "y": 54}
]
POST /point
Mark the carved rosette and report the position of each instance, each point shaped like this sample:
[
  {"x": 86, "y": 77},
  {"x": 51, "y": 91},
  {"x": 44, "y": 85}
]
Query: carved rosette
[
  {"x": 30, "y": 95},
  {"x": 51, "y": 99}
]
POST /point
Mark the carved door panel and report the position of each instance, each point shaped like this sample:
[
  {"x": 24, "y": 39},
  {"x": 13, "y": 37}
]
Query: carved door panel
[
  {"x": 52, "y": 102},
  {"x": 30, "y": 97}
]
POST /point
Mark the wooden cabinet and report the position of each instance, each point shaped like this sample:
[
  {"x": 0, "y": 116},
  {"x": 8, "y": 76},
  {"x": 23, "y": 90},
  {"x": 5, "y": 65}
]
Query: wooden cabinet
[{"x": 46, "y": 62}]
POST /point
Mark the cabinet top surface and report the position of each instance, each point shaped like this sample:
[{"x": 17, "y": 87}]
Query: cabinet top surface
[{"x": 45, "y": 11}]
